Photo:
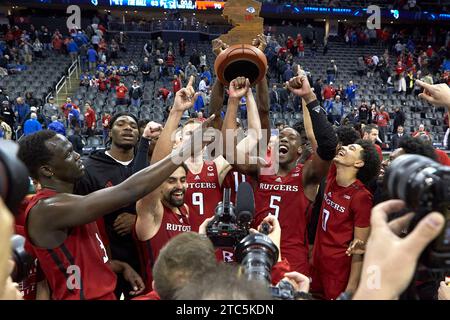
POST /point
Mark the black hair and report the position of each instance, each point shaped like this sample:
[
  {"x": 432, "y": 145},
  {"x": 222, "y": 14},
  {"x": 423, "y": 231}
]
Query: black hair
[
  {"x": 417, "y": 146},
  {"x": 142, "y": 122},
  {"x": 372, "y": 162},
  {"x": 120, "y": 114},
  {"x": 34, "y": 153},
  {"x": 347, "y": 135},
  {"x": 368, "y": 128}
]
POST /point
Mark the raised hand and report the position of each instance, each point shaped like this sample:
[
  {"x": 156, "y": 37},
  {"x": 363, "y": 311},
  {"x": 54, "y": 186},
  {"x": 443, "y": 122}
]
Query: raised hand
[
  {"x": 152, "y": 130},
  {"x": 239, "y": 87},
  {"x": 218, "y": 46},
  {"x": 300, "y": 86},
  {"x": 185, "y": 98},
  {"x": 260, "y": 42},
  {"x": 436, "y": 94}
]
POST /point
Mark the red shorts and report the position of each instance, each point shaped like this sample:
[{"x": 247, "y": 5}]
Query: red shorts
[{"x": 326, "y": 287}]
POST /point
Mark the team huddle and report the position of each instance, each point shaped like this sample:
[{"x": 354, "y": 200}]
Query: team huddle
[{"x": 111, "y": 214}]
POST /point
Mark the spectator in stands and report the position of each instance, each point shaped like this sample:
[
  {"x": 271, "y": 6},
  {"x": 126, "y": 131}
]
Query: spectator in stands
[
  {"x": 114, "y": 49},
  {"x": 121, "y": 92},
  {"x": 46, "y": 39},
  {"x": 114, "y": 79},
  {"x": 73, "y": 49},
  {"x": 202, "y": 64},
  {"x": 90, "y": 120},
  {"x": 102, "y": 83},
  {"x": 274, "y": 97},
  {"x": 50, "y": 110},
  {"x": 106, "y": 119},
  {"x": 170, "y": 63},
  {"x": 30, "y": 100},
  {"x": 135, "y": 93},
  {"x": 163, "y": 94},
  {"x": 31, "y": 125},
  {"x": 335, "y": 111},
  {"x": 66, "y": 107},
  {"x": 5, "y": 130},
  {"x": 441, "y": 155},
  {"x": 382, "y": 122},
  {"x": 331, "y": 71},
  {"x": 328, "y": 95},
  {"x": 421, "y": 131},
  {"x": 95, "y": 40},
  {"x": 76, "y": 140},
  {"x": 313, "y": 49},
  {"x": 195, "y": 58},
  {"x": 176, "y": 84},
  {"x": 350, "y": 93},
  {"x": 370, "y": 133},
  {"x": 396, "y": 137},
  {"x": 200, "y": 116},
  {"x": 182, "y": 47},
  {"x": 399, "y": 118},
  {"x": 73, "y": 117},
  {"x": 288, "y": 73},
  {"x": 318, "y": 89},
  {"x": 21, "y": 109},
  {"x": 190, "y": 70},
  {"x": 373, "y": 114},
  {"x": 145, "y": 68},
  {"x": 27, "y": 52},
  {"x": 85, "y": 80},
  {"x": 37, "y": 48},
  {"x": 399, "y": 48},
  {"x": 92, "y": 58},
  {"x": 133, "y": 68},
  {"x": 206, "y": 74},
  {"x": 351, "y": 118},
  {"x": 57, "y": 126},
  {"x": 7, "y": 113}
]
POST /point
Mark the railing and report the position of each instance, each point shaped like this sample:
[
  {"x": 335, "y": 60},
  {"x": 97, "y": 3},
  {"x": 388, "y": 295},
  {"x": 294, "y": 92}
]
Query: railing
[{"x": 65, "y": 80}]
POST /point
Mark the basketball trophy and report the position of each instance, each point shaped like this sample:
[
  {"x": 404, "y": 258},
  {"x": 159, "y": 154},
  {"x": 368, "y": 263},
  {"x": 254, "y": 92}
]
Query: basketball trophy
[{"x": 237, "y": 55}]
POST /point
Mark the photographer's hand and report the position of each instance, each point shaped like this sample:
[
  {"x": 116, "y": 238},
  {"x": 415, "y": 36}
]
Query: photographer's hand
[
  {"x": 274, "y": 231},
  {"x": 202, "y": 228},
  {"x": 390, "y": 261},
  {"x": 6, "y": 231},
  {"x": 298, "y": 280}
]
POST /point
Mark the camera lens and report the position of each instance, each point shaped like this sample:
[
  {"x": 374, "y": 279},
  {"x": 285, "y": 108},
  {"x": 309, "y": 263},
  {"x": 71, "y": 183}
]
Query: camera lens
[
  {"x": 23, "y": 262},
  {"x": 257, "y": 254},
  {"x": 417, "y": 180}
]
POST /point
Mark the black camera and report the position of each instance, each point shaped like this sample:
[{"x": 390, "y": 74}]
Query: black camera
[
  {"x": 14, "y": 181},
  {"x": 23, "y": 262},
  {"x": 258, "y": 254},
  {"x": 425, "y": 186},
  {"x": 228, "y": 228}
]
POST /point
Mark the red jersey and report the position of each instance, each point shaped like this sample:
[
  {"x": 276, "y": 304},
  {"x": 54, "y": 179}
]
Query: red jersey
[
  {"x": 89, "y": 118},
  {"x": 379, "y": 151},
  {"x": 172, "y": 224},
  {"x": 285, "y": 198},
  {"x": 232, "y": 181},
  {"x": 202, "y": 194},
  {"x": 442, "y": 157},
  {"x": 343, "y": 209},
  {"x": 82, "y": 256},
  {"x": 176, "y": 84},
  {"x": 121, "y": 92},
  {"x": 383, "y": 119}
]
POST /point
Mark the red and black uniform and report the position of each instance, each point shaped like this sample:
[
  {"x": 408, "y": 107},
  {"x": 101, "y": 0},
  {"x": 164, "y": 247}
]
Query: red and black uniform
[
  {"x": 78, "y": 269},
  {"x": 202, "y": 194},
  {"x": 232, "y": 181},
  {"x": 343, "y": 209},
  {"x": 285, "y": 198},
  {"x": 172, "y": 224}
]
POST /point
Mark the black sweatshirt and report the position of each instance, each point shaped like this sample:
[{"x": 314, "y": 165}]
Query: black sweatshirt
[{"x": 101, "y": 171}]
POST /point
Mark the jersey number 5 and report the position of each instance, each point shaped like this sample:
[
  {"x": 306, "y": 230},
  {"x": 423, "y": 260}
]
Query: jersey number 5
[
  {"x": 275, "y": 206},
  {"x": 197, "y": 200}
]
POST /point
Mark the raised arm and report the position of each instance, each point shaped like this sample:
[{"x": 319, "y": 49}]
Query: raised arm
[
  {"x": 238, "y": 89},
  {"x": 317, "y": 168},
  {"x": 184, "y": 99},
  {"x": 69, "y": 210}
]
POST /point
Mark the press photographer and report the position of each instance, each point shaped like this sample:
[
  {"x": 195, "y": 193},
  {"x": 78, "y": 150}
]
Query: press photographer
[{"x": 13, "y": 187}]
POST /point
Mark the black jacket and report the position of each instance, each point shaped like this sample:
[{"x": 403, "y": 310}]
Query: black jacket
[
  {"x": 77, "y": 143},
  {"x": 101, "y": 171},
  {"x": 395, "y": 140}
]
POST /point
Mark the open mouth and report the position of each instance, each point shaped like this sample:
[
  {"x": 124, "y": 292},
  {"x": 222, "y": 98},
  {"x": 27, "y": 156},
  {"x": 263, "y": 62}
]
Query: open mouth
[
  {"x": 341, "y": 153},
  {"x": 283, "y": 150},
  {"x": 178, "y": 195}
]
